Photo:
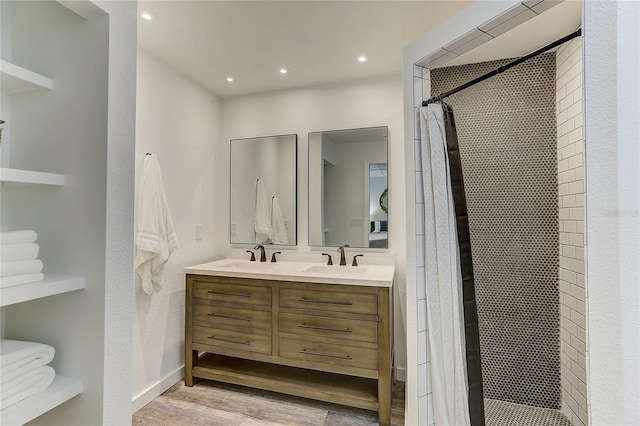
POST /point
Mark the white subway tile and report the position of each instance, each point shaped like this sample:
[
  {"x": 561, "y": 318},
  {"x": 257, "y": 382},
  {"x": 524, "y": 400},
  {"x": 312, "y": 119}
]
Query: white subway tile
[
  {"x": 576, "y": 240},
  {"x": 575, "y": 161},
  {"x": 576, "y": 213},
  {"x": 420, "y": 219},
  {"x": 568, "y": 226},
  {"x": 420, "y": 250},
  {"x": 422, "y": 315},
  {"x": 420, "y": 189},
  {"x": 422, "y": 347},
  {"x": 417, "y": 92},
  {"x": 423, "y": 410},
  {"x": 422, "y": 380},
  {"x": 421, "y": 292}
]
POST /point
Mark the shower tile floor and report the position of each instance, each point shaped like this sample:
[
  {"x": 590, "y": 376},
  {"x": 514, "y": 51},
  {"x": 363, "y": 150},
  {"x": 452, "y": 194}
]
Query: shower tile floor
[{"x": 501, "y": 413}]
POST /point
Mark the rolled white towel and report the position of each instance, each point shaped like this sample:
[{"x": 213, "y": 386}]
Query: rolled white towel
[
  {"x": 19, "y": 267},
  {"x": 15, "y": 280},
  {"x": 17, "y": 356},
  {"x": 29, "y": 383},
  {"x": 24, "y": 251},
  {"x": 18, "y": 237}
]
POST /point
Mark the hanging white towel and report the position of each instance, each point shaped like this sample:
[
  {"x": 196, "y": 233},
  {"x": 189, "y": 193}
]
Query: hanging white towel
[
  {"x": 261, "y": 218},
  {"x": 24, "y": 251},
  {"x": 278, "y": 229},
  {"x": 19, "y": 267},
  {"x": 155, "y": 238},
  {"x": 15, "y": 280},
  {"x": 18, "y": 237}
]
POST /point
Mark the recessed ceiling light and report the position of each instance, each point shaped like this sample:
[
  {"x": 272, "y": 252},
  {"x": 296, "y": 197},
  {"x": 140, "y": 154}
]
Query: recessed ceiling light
[
  {"x": 283, "y": 70},
  {"x": 362, "y": 59},
  {"x": 147, "y": 16},
  {"x": 230, "y": 79}
]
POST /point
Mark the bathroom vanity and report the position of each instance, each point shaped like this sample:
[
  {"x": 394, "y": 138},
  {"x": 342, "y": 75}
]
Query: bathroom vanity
[{"x": 299, "y": 328}]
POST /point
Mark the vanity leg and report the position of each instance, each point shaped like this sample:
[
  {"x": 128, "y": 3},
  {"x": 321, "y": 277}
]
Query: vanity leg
[
  {"x": 189, "y": 363},
  {"x": 384, "y": 357},
  {"x": 384, "y": 401}
]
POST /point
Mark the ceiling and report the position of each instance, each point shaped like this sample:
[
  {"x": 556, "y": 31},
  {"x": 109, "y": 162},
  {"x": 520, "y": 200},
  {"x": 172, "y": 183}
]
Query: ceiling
[{"x": 318, "y": 42}]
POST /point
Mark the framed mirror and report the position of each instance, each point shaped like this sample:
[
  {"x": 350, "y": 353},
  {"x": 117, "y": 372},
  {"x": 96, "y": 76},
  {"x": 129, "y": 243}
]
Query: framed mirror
[
  {"x": 263, "y": 190},
  {"x": 348, "y": 188}
]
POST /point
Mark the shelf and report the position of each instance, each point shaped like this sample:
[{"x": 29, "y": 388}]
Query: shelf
[
  {"x": 31, "y": 177},
  {"x": 16, "y": 79},
  {"x": 51, "y": 285},
  {"x": 330, "y": 387},
  {"x": 61, "y": 390}
]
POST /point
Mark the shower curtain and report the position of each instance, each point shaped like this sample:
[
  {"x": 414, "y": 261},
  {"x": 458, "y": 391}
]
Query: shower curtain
[{"x": 451, "y": 311}]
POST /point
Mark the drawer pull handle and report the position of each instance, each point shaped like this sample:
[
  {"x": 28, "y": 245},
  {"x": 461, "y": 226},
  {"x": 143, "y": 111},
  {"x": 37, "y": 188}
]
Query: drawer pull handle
[
  {"x": 229, "y": 294},
  {"x": 222, "y": 339},
  {"x": 213, "y": 314},
  {"x": 315, "y": 327},
  {"x": 304, "y": 351},
  {"x": 329, "y": 302}
]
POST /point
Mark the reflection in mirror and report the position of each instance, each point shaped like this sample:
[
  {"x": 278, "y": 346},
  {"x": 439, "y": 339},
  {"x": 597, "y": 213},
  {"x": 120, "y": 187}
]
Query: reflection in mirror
[
  {"x": 263, "y": 190},
  {"x": 348, "y": 188}
]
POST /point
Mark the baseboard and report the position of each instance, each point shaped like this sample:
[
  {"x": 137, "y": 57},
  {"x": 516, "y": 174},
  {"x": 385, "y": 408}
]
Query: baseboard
[
  {"x": 145, "y": 397},
  {"x": 401, "y": 374}
]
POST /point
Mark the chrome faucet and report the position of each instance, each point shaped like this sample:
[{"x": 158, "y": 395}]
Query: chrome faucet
[
  {"x": 263, "y": 256},
  {"x": 343, "y": 261}
]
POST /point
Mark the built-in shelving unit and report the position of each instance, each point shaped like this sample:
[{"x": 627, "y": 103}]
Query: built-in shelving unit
[
  {"x": 55, "y": 111},
  {"x": 51, "y": 285},
  {"x": 62, "y": 389},
  {"x": 16, "y": 79},
  {"x": 18, "y": 176}
]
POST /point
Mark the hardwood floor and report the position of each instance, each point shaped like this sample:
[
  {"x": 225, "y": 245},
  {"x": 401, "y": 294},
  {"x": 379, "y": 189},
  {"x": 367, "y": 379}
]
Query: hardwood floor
[{"x": 220, "y": 404}]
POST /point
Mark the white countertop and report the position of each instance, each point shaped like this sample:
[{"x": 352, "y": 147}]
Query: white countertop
[{"x": 375, "y": 275}]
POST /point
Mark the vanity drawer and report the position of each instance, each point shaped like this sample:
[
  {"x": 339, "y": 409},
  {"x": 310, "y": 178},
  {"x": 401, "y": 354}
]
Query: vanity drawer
[
  {"x": 333, "y": 301},
  {"x": 251, "y": 342},
  {"x": 235, "y": 293},
  {"x": 221, "y": 316},
  {"x": 329, "y": 353},
  {"x": 348, "y": 329}
]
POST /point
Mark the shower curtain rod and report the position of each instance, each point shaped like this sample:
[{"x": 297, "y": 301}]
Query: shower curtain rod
[{"x": 503, "y": 68}]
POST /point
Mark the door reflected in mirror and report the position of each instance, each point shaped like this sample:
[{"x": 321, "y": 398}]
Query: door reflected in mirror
[
  {"x": 263, "y": 190},
  {"x": 348, "y": 188}
]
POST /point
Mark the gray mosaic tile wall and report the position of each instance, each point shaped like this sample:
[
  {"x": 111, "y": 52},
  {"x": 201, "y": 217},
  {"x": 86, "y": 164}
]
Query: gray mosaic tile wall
[{"x": 507, "y": 133}]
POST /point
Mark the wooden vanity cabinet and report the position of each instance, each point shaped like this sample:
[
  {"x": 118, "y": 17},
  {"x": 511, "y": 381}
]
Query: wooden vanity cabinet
[{"x": 329, "y": 342}]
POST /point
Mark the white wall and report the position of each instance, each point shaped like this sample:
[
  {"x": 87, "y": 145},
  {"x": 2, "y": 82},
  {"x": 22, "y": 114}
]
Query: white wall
[
  {"x": 612, "y": 106},
  {"x": 179, "y": 122},
  {"x": 364, "y": 103}
]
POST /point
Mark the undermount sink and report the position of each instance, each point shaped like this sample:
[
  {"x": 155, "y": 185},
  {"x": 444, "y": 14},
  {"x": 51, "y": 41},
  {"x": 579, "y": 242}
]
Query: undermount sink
[
  {"x": 336, "y": 270},
  {"x": 251, "y": 266}
]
